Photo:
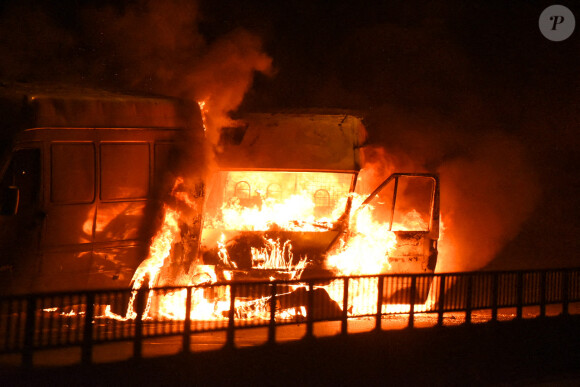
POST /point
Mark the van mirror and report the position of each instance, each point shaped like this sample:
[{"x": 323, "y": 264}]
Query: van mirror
[{"x": 9, "y": 201}]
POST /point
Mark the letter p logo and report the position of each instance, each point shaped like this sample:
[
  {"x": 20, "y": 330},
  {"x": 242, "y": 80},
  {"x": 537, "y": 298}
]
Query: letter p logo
[
  {"x": 557, "y": 20},
  {"x": 557, "y": 23}
]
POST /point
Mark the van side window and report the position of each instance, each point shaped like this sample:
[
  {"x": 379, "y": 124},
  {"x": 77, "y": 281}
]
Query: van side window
[
  {"x": 124, "y": 171},
  {"x": 72, "y": 171},
  {"x": 24, "y": 174}
]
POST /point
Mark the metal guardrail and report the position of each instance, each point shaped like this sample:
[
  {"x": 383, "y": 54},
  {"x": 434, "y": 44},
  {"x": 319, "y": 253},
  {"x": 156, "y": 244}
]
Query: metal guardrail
[{"x": 31, "y": 323}]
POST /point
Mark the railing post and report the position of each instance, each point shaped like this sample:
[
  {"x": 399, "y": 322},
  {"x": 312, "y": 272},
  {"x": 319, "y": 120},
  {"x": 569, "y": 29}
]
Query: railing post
[
  {"x": 186, "y": 344},
  {"x": 87, "y": 346},
  {"x": 543, "y": 294},
  {"x": 344, "y": 321},
  {"x": 468, "y": 300},
  {"x": 412, "y": 301},
  {"x": 520, "y": 295},
  {"x": 310, "y": 311},
  {"x": 494, "y": 296},
  {"x": 29, "y": 330},
  {"x": 565, "y": 297},
  {"x": 379, "y": 315},
  {"x": 441, "y": 301},
  {"x": 272, "y": 326},
  {"x": 140, "y": 304},
  {"x": 230, "y": 334}
]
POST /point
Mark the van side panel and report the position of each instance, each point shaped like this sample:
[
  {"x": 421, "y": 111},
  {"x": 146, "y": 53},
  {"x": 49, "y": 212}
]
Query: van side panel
[{"x": 95, "y": 210}]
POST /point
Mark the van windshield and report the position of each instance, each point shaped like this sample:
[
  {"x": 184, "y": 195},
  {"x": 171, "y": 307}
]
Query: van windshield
[{"x": 275, "y": 200}]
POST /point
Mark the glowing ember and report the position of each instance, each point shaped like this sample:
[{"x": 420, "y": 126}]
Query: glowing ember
[
  {"x": 203, "y": 110},
  {"x": 406, "y": 308}
]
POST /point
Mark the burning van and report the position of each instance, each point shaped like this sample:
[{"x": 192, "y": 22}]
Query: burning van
[
  {"x": 287, "y": 203},
  {"x": 81, "y": 183},
  {"x": 86, "y": 199}
]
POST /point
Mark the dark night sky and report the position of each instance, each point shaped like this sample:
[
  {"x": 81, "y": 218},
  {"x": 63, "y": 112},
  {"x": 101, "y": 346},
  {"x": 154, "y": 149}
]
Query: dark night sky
[{"x": 451, "y": 72}]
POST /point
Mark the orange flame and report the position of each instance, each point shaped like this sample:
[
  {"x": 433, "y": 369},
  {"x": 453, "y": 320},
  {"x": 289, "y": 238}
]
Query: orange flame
[
  {"x": 204, "y": 112},
  {"x": 366, "y": 249}
]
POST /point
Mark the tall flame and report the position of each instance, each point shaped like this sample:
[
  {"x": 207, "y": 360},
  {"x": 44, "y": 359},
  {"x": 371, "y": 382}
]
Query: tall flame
[
  {"x": 159, "y": 250},
  {"x": 367, "y": 249}
]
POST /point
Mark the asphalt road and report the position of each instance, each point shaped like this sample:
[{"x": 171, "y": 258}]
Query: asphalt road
[
  {"x": 254, "y": 337},
  {"x": 533, "y": 351}
]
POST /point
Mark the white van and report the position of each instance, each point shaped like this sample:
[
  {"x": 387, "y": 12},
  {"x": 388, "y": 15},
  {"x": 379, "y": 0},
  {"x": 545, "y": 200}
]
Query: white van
[
  {"x": 284, "y": 193},
  {"x": 80, "y": 184}
]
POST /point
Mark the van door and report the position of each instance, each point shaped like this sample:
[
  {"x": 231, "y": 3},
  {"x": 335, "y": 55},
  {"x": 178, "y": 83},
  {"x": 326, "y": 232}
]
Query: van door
[
  {"x": 70, "y": 211},
  {"x": 409, "y": 204},
  {"x": 120, "y": 226},
  {"x": 21, "y": 221}
]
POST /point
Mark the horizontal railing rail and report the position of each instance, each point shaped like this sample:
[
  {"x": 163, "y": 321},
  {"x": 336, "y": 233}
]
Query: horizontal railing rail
[{"x": 84, "y": 319}]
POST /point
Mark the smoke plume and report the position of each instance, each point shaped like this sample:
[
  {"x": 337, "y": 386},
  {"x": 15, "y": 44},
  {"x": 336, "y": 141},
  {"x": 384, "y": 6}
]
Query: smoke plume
[{"x": 145, "y": 45}]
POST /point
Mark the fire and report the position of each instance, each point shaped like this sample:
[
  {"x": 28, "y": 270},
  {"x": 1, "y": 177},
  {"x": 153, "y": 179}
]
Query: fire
[
  {"x": 292, "y": 201},
  {"x": 292, "y": 205},
  {"x": 162, "y": 242},
  {"x": 368, "y": 247},
  {"x": 172, "y": 305},
  {"x": 273, "y": 256},
  {"x": 406, "y": 308},
  {"x": 293, "y": 214},
  {"x": 223, "y": 252},
  {"x": 412, "y": 220},
  {"x": 159, "y": 250}
]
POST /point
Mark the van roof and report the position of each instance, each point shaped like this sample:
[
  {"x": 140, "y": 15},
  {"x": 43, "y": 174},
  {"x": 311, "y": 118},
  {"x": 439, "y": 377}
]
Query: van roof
[
  {"x": 25, "y": 105},
  {"x": 293, "y": 141}
]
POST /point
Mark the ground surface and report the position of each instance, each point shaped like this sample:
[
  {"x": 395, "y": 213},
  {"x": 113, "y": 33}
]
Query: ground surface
[{"x": 529, "y": 352}]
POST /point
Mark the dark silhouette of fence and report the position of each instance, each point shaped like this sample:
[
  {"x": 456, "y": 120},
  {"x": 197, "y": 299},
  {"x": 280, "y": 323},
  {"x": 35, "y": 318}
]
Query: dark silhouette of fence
[{"x": 35, "y": 322}]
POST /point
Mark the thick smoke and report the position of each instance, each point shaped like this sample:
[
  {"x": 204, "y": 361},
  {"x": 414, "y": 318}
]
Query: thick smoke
[
  {"x": 145, "y": 45},
  {"x": 487, "y": 187},
  {"x": 141, "y": 46},
  {"x": 158, "y": 48}
]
